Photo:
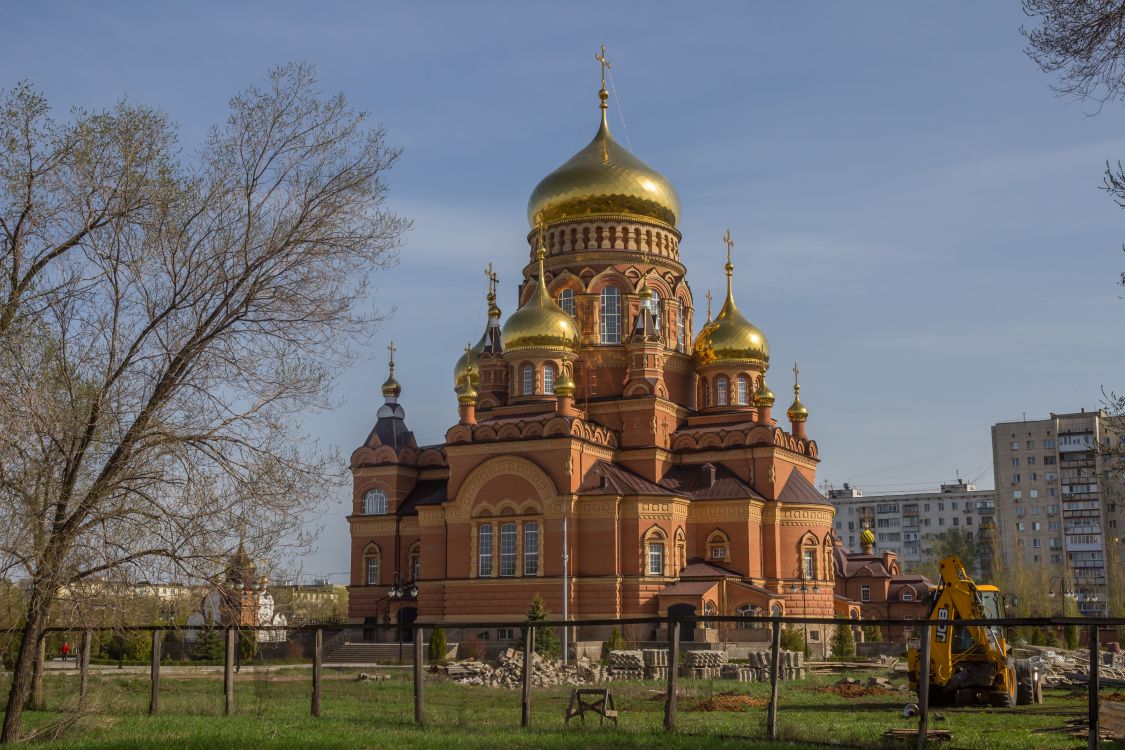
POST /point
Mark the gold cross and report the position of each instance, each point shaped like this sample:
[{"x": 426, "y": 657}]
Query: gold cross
[
  {"x": 796, "y": 373},
  {"x": 600, "y": 57},
  {"x": 392, "y": 350},
  {"x": 468, "y": 357},
  {"x": 708, "y": 304},
  {"x": 729, "y": 243},
  {"x": 492, "y": 279}
]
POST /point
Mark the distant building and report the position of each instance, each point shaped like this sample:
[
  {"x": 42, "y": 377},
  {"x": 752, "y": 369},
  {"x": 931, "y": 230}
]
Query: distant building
[
  {"x": 907, "y": 523},
  {"x": 240, "y": 599},
  {"x": 1057, "y": 513}
]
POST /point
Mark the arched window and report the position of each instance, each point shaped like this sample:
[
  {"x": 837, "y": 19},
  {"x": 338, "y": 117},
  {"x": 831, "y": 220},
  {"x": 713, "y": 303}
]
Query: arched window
[
  {"x": 775, "y": 610},
  {"x": 507, "y": 549},
  {"x": 742, "y": 396},
  {"x": 484, "y": 551},
  {"x": 527, "y": 380},
  {"x": 416, "y": 561},
  {"x": 566, "y": 301},
  {"x": 611, "y": 315},
  {"x": 865, "y": 593},
  {"x": 371, "y": 565},
  {"x": 681, "y": 328},
  {"x": 809, "y": 567},
  {"x": 718, "y": 546},
  {"x": 654, "y": 306},
  {"x": 709, "y": 610},
  {"x": 531, "y": 548},
  {"x": 749, "y": 610},
  {"x": 374, "y": 503},
  {"x": 681, "y": 550},
  {"x": 722, "y": 386},
  {"x": 654, "y": 543},
  {"x": 907, "y": 595},
  {"x": 809, "y": 553},
  {"x": 548, "y": 378}
]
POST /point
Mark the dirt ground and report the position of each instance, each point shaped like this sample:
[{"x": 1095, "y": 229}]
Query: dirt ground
[
  {"x": 729, "y": 702},
  {"x": 855, "y": 691}
]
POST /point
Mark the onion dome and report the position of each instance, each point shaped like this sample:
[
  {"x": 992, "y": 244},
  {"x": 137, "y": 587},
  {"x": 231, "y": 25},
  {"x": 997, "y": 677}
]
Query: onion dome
[
  {"x": 540, "y": 323},
  {"x": 763, "y": 396},
  {"x": 867, "y": 538},
  {"x": 489, "y": 341},
  {"x": 466, "y": 390},
  {"x": 603, "y": 179},
  {"x": 797, "y": 411},
  {"x": 564, "y": 385},
  {"x": 731, "y": 337},
  {"x": 391, "y": 388}
]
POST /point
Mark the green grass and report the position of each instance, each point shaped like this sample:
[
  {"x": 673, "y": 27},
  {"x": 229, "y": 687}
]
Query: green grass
[{"x": 272, "y": 711}]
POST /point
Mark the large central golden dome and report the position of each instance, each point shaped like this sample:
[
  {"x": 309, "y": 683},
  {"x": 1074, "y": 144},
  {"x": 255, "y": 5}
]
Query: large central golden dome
[{"x": 603, "y": 179}]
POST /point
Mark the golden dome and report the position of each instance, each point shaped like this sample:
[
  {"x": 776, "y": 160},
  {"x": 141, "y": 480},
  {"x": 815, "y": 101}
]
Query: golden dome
[
  {"x": 867, "y": 538},
  {"x": 540, "y": 323},
  {"x": 564, "y": 386},
  {"x": 797, "y": 411},
  {"x": 730, "y": 337},
  {"x": 603, "y": 179},
  {"x": 764, "y": 396}
]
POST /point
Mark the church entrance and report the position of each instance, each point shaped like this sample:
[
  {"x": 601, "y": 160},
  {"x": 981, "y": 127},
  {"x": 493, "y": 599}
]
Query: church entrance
[
  {"x": 687, "y": 629},
  {"x": 406, "y": 618}
]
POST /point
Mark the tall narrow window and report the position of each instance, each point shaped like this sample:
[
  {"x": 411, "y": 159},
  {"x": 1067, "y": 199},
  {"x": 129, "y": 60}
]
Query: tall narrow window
[
  {"x": 507, "y": 549},
  {"x": 721, "y": 387},
  {"x": 375, "y": 502},
  {"x": 654, "y": 306},
  {"x": 484, "y": 552},
  {"x": 548, "y": 378},
  {"x": 681, "y": 328},
  {"x": 527, "y": 376},
  {"x": 655, "y": 559},
  {"x": 743, "y": 396},
  {"x": 416, "y": 562},
  {"x": 611, "y": 315},
  {"x": 706, "y": 394},
  {"x": 531, "y": 549},
  {"x": 373, "y": 571},
  {"x": 566, "y": 301},
  {"x": 810, "y": 564}
]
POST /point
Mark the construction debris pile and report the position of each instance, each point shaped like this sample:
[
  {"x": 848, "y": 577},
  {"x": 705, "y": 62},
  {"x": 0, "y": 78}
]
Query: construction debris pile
[
  {"x": 622, "y": 665},
  {"x": 1062, "y": 668}
]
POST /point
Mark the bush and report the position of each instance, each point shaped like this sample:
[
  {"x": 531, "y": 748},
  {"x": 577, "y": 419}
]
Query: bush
[
  {"x": 208, "y": 646},
  {"x": 843, "y": 642},
  {"x": 872, "y": 634},
  {"x": 546, "y": 642},
  {"x": 438, "y": 646},
  {"x": 1070, "y": 635},
  {"x": 792, "y": 638},
  {"x": 616, "y": 642}
]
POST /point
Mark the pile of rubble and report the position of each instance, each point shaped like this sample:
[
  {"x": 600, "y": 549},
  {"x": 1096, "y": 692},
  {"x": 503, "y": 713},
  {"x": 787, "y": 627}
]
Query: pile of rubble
[
  {"x": 1062, "y": 668},
  {"x": 508, "y": 671}
]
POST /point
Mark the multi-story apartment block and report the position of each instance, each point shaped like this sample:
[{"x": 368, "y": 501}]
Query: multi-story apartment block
[
  {"x": 907, "y": 523},
  {"x": 1057, "y": 513}
]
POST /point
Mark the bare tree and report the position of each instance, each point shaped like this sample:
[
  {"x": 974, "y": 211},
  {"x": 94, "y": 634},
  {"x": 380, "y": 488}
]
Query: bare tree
[
  {"x": 1083, "y": 41},
  {"x": 163, "y": 324}
]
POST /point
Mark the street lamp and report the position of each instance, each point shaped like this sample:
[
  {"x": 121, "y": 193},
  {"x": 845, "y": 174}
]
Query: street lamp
[{"x": 804, "y": 588}]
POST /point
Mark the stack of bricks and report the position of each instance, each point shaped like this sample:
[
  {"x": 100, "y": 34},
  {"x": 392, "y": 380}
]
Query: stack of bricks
[
  {"x": 704, "y": 665},
  {"x": 656, "y": 663},
  {"x": 740, "y": 672},
  {"x": 626, "y": 665}
]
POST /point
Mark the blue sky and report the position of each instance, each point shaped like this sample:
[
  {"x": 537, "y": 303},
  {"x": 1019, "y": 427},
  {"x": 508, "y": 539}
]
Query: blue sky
[{"x": 916, "y": 215}]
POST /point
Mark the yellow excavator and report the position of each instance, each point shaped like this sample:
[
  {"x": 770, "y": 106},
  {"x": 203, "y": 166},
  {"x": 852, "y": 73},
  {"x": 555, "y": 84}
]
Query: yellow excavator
[{"x": 971, "y": 664}]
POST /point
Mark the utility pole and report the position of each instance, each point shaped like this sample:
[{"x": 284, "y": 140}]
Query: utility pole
[{"x": 566, "y": 586}]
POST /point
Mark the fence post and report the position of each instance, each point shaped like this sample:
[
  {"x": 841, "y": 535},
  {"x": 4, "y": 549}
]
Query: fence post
[
  {"x": 318, "y": 644},
  {"x": 924, "y": 687},
  {"x": 775, "y": 669},
  {"x": 1092, "y": 742},
  {"x": 84, "y": 665},
  {"x": 419, "y": 716},
  {"x": 673, "y": 669},
  {"x": 528, "y": 650},
  {"x": 228, "y": 672},
  {"x": 154, "y": 694}
]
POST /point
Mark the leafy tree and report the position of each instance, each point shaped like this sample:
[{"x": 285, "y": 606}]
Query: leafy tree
[
  {"x": 616, "y": 642},
  {"x": 438, "y": 646},
  {"x": 843, "y": 642},
  {"x": 180, "y": 309},
  {"x": 1070, "y": 637},
  {"x": 792, "y": 638},
  {"x": 546, "y": 642},
  {"x": 957, "y": 542},
  {"x": 872, "y": 634}
]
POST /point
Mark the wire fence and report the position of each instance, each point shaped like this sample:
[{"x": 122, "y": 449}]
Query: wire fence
[{"x": 313, "y": 646}]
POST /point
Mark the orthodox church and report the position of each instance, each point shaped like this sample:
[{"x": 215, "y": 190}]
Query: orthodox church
[{"x": 610, "y": 454}]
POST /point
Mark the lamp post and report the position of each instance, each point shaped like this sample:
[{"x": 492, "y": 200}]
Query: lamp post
[
  {"x": 401, "y": 591},
  {"x": 804, "y": 588}
]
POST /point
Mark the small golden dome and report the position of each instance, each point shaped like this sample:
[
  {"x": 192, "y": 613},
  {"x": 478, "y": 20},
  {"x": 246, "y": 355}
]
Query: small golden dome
[
  {"x": 467, "y": 392},
  {"x": 730, "y": 337},
  {"x": 540, "y": 323},
  {"x": 867, "y": 538},
  {"x": 763, "y": 396},
  {"x": 797, "y": 411},
  {"x": 603, "y": 179},
  {"x": 564, "y": 386}
]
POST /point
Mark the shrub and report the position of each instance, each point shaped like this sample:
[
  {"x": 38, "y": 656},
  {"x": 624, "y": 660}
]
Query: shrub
[
  {"x": 872, "y": 634},
  {"x": 546, "y": 642},
  {"x": 843, "y": 642},
  {"x": 438, "y": 646},
  {"x": 208, "y": 646},
  {"x": 792, "y": 638},
  {"x": 616, "y": 642},
  {"x": 1070, "y": 635}
]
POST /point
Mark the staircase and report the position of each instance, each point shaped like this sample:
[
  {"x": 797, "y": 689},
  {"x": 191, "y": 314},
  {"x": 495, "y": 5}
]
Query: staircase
[{"x": 368, "y": 653}]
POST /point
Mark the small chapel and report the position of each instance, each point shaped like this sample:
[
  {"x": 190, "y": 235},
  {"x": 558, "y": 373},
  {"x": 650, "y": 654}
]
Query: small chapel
[{"x": 610, "y": 452}]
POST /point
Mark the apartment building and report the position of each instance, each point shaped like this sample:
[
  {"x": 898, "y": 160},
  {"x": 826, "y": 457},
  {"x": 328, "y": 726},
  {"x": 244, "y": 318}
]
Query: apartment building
[
  {"x": 1056, "y": 510},
  {"x": 907, "y": 523}
]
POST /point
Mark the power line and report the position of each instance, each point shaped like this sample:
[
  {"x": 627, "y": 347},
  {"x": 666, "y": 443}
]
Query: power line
[{"x": 853, "y": 477}]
